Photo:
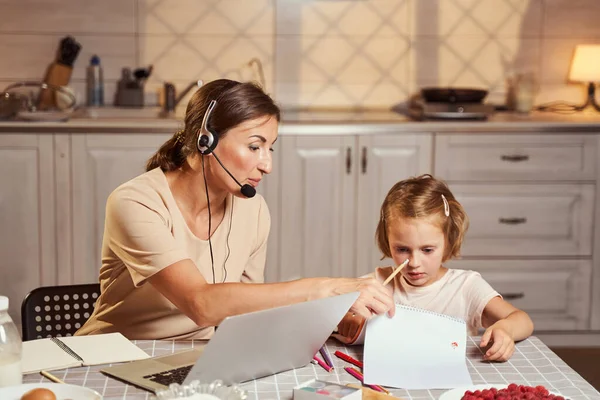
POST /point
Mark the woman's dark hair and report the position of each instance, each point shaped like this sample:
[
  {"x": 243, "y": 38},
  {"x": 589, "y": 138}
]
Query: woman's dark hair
[{"x": 237, "y": 102}]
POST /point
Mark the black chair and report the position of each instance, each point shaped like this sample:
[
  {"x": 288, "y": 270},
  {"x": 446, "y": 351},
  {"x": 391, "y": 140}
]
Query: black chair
[{"x": 51, "y": 311}]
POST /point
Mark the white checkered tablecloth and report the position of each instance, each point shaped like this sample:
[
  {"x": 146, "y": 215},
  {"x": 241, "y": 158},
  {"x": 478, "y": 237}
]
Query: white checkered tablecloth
[{"x": 532, "y": 364}]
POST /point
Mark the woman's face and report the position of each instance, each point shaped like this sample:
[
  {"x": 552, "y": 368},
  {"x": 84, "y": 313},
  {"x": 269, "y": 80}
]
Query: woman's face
[{"x": 247, "y": 152}]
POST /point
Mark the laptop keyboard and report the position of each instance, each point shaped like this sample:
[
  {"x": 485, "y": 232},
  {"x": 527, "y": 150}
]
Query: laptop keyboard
[{"x": 176, "y": 375}]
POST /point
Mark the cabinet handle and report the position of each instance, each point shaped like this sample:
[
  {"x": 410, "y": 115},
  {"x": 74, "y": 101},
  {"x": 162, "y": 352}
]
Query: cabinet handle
[
  {"x": 512, "y": 296},
  {"x": 363, "y": 160},
  {"x": 512, "y": 221},
  {"x": 514, "y": 157},
  {"x": 349, "y": 160}
]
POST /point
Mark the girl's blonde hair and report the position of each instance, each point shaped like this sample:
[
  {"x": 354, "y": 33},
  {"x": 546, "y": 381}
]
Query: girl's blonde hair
[{"x": 423, "y": 197}]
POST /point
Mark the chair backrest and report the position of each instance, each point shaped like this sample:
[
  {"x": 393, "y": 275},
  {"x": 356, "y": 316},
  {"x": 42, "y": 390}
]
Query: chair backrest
[{"x": 51, "y": 311}]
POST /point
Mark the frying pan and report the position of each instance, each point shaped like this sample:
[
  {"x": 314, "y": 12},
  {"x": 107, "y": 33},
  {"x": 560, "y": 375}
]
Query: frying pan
[{"x": 453, "y": 95}]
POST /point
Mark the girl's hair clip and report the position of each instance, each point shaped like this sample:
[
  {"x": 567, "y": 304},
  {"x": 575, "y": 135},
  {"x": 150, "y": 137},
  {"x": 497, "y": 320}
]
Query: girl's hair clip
[{"x": 446, "y": 206}]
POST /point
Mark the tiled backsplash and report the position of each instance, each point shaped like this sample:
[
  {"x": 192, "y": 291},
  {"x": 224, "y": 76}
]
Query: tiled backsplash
[{"x": 334, "y": 53}]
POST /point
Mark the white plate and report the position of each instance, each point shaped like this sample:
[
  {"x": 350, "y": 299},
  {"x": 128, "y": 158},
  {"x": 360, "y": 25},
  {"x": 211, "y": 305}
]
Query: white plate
[
  {"x": 457, "y": 394},
  {"x": 62, "y": 391}
]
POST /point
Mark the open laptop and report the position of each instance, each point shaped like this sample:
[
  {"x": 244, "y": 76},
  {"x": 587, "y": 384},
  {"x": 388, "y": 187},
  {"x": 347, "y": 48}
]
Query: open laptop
[{"x": 245, "y": 346}]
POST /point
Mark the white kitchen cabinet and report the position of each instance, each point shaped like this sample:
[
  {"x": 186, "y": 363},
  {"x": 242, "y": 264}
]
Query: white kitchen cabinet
[
  {"x": 332, "y": 187},
  {"x": 27, "y": 209},
  {"x": 531, "y": 200},
  {"x": 384, "y": 160}
]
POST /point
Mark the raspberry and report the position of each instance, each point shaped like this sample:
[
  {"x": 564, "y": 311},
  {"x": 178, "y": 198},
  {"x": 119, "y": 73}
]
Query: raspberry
[{"x": 512, "y": 386}]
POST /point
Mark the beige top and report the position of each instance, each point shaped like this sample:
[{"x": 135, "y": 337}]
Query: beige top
[
  {"x": 145, "y": 232},
  {"x": 459, "y": 293}
]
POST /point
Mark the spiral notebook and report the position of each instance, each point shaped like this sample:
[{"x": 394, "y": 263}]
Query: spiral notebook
[
  {"x": 76, "y": 351},
  {"x": 416, "y": 349}
]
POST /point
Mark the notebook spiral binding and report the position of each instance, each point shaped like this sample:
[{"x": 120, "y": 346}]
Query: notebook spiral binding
[
  {"x": 422, "y": 310},
  {"x": 66, "y": 348}
]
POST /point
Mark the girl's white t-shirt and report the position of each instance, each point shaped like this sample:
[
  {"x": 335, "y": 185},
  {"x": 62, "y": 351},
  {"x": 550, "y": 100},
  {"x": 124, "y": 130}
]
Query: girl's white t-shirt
[{"x": 459, "y": 293}]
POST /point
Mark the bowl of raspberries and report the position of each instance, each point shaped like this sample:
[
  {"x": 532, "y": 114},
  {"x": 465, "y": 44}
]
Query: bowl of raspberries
[{"x": 501, "y": 392}]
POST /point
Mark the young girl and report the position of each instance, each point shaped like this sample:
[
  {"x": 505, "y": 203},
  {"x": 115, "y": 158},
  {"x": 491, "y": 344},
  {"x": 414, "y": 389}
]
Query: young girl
[{"x": 421, "y": 221}]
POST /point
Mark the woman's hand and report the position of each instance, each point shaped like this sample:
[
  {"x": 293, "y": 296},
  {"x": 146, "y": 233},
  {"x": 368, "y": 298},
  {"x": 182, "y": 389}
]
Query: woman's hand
[
  {"x": 503, "y": 345},
  {"x": 374, "y": 297}
]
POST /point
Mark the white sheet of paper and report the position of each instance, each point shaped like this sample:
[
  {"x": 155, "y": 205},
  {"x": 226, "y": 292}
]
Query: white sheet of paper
[{"x": 416, "y": 349}]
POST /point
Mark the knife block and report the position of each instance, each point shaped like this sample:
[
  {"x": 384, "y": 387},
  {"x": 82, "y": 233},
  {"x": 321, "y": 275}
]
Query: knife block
[{"x": 57, "y": 74}]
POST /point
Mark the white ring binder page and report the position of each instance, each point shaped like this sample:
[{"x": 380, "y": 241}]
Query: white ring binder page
[{"x": 416, "y": 349}]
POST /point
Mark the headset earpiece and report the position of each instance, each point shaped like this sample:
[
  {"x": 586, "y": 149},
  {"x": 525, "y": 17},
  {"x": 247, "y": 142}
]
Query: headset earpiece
[{"x": 207, "y": 140}]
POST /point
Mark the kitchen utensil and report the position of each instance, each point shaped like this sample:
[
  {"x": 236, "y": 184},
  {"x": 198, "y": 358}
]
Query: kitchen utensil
[
  {"x": 68, "y": 51},
  {"x": 453, "y": 95},
  {"x": 143, "y": 73},
  {"x": 59, "y": 71}
]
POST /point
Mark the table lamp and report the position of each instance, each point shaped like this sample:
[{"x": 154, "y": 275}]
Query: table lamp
[{"x": 585, "y": 67}]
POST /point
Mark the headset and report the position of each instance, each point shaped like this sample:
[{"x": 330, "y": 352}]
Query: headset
[{"x": 207, "y": 142}]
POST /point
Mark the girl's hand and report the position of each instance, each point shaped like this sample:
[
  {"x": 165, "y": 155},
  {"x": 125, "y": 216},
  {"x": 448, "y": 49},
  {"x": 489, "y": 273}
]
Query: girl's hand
[
  {"x": 503, "y": 345},
  {"x": 350, "y": 327}
]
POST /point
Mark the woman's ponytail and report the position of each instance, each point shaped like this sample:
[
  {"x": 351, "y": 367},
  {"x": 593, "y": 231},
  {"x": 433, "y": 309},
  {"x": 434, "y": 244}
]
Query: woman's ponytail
[{"x": 169, "y": 156}]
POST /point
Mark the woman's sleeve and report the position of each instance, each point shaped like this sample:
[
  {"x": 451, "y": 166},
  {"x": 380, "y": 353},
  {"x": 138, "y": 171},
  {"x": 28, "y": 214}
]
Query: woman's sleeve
[
  {"x": 138, "y": 234},
  {"x": 255, "y": 267}
]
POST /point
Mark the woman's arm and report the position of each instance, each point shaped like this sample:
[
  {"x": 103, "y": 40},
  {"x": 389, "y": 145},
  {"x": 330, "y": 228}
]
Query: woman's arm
[
  {"x": 505, "y": 325},
  {"x": 208, "y": 304}
]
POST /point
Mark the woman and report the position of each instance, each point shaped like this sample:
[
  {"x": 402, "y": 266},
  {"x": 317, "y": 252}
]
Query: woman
[{"x": 185, "y": 243}]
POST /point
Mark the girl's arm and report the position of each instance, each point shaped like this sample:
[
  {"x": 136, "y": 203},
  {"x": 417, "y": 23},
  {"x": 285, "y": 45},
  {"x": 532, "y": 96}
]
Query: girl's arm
[
  {"x": 505, "y": 324},
  {"x": 516, "y": 322}
]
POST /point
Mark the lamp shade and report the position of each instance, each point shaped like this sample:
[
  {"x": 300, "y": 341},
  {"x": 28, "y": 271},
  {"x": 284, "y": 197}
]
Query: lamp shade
[{"x": 585, "y": 66}]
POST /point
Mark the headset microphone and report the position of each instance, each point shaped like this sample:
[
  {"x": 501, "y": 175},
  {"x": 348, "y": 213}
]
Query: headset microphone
[
  {"x": 246, "y": 189},
  {"x": 207, "y": 141}
]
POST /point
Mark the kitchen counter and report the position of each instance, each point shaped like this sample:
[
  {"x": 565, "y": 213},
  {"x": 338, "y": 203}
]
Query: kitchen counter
[{"x": 319, "y": 122}]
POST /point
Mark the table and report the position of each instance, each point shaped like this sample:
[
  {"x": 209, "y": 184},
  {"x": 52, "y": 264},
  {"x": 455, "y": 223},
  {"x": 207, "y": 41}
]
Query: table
[{"x": 532, "y": 364}]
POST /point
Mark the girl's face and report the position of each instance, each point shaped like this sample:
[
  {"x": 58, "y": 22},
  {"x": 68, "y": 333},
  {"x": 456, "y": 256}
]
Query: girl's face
[
  {"x": 422, "y": 242},
  {"x": 246, "y": 151}
]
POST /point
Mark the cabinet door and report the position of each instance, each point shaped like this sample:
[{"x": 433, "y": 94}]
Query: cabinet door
[
  {"x": 317, "y": 207},
  {"x": 27, "y": 231},
  {"x": 383, "y": 161},
  {"x": 100, "y": 163}
]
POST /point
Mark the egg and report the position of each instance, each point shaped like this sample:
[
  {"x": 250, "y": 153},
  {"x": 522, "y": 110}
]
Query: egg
[{"x": 39, "y": 394}]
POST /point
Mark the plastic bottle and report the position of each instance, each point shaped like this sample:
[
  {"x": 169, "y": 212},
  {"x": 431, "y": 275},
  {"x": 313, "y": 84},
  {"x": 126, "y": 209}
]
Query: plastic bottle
[
  {"x": 10, "y": 348},
  {"x": 95, "y": 83}
]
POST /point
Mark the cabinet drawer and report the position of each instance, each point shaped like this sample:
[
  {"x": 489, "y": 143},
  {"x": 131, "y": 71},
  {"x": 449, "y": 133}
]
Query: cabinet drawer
[
  {"x": 555, "y": 293},
  {"x": 515, "y": 157},
  {"x": 527, "y": 220}
]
